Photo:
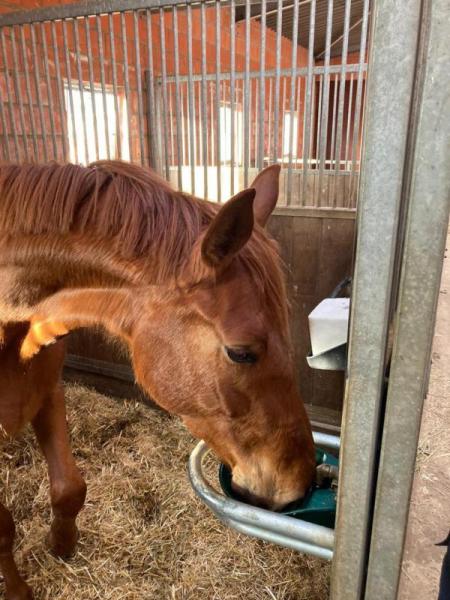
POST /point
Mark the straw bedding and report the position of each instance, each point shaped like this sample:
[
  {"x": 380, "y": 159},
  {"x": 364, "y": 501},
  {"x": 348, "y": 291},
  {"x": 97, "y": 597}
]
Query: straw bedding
[{"x": 144, "y": 535}]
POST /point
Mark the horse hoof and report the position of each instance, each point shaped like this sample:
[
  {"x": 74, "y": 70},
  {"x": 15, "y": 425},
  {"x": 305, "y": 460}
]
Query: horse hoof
[{"x": 62, "y": 548}]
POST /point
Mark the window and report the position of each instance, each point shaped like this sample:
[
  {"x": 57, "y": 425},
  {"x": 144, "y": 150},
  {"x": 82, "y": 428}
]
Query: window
[
  {"x": 287, "y": 133},
  {"x": 225, "y": 135},
  {"x": 77, "y": 141}
]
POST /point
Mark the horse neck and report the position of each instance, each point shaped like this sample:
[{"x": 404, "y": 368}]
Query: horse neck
[{"x": 74, "y": 260}]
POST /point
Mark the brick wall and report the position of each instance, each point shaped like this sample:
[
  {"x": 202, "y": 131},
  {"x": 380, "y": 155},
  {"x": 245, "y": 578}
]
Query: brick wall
[{"x": 51, "y": 121}]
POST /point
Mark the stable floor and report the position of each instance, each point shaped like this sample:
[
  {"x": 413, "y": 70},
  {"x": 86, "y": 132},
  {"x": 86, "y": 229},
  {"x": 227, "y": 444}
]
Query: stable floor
[
  {"x": 144, "y": 535},
  {"x": 429, "y": 519}
]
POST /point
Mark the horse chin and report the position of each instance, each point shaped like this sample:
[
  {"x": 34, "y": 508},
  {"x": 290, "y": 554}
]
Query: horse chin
[{"x": 277, "y": 503}]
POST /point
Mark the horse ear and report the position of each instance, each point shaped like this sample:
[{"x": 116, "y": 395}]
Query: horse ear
[
  {"x": 266, "y": 185},
  {"x": 230, "y": 230}
]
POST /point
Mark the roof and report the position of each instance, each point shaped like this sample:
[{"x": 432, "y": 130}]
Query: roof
[{"x": 356, "y": 15}]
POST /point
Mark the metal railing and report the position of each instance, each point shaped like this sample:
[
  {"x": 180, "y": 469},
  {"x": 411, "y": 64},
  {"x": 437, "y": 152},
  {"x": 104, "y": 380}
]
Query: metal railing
[
  {"x": 283, "y": 530},
  {"x": 208, "y": 93}
]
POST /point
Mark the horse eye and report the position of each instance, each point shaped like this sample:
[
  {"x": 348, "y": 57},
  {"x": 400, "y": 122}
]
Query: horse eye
[{"x": 241, "y": 355}]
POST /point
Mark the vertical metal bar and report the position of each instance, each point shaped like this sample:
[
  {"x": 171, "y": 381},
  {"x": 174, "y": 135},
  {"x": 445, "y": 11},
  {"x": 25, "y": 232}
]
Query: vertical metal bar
[
  {"x": 102, "y": 83},
  {"x": 114, "y": 80},
  {"x": 382, "y": 176},
  {"x": 183, "y": 129},
  {"x": 325, "y": 100},
  {"x": 69, "y": 89},
  {"x": 171, "y": 134},
  {"x": 154, "y": 159},
  {"x": 332, "y": 180},
  {"x": 28, "y": 90},
  {"x": 37, "y": 83},
  {"x": 312, "y": 162},
  {"x": 309, "y": 85},
  {"x": 292, "y": 98},
  {"x": 200, "y": 128},
  {"x": 5, "y": 145},
  {"x": 247, "y": 93},
  {"x": 178, "y": 116},
  {"x": 80, "y": 87},
  {"x": 342, "y": 88},
  {"x": 232, "y": 90},
  {"x": 18, "y": 92},
  {"x": 137, "y": 53},
  {"x": 269, "y": 120},
  {"x": 299, "y": 104},
  {"x": 91, "y": 83},
  {"x": 276, "y": 114},
  {"x": 162, "y": 40},
  {"x": 204, "y": 102},
  {"x": 217, "y": 97},
  {"x": 319, "y": 120},
  {"x": 359, "y": 87},
  {"x": 254, "y": 121},
  {"x": 283, "y": 106},
  {"x": 349, "y": 121},
  {"x": 211, "y": 108},
  {"x": 8, "y": 91},
  {"x": 191, "y": 100},
  {"x": 60, "y": 88},
  {"x": 126, "y": 82},
  {"x": 426, "y": 230},
  {"x": 297, "y": 155},
  {"x": 262, "y": 84},
  {"x": 51, "y": 108},
  {"x": 317, "y": 101}
]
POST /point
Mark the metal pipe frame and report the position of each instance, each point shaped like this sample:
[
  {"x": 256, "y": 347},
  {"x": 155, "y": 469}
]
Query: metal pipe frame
[
  {"x": 258, "y": 522},
  {"x": 423, "y": 252},
  {"x": 287, "y": 72},
  {"x": 390, "y": 86}
]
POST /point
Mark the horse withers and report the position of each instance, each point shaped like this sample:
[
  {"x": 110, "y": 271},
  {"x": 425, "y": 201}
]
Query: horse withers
[{"x": 196, "y": 292}]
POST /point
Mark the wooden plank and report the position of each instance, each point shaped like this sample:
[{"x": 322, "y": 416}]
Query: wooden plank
[
  {"x": 324, "y": 419},
  {"x": 301, "y": 307},
  {"x": 328, "y": 389},
  {"x": 95, "y": 344},
  {"x": 280, "y": 228},
  {"x": 306, "y": 253},
  {"x": 313, "y": 212},
  {"x": 336, "y": 254}
]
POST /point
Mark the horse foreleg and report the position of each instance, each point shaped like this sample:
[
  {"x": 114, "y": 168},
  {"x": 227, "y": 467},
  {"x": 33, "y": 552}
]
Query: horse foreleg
[
  {"x": 67, "y": 486},
  {"x": 15, "y": 586}
]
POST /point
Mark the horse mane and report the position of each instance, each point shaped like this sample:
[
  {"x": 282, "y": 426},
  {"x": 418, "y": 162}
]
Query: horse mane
[{"x": 133, "y": 208}]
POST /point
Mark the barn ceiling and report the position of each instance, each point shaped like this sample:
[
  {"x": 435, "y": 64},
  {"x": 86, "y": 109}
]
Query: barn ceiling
[{"x": 356, "y": 14}]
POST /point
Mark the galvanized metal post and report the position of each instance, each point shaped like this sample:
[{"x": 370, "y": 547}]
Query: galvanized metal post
[
  {"x": 391, "y": 75},
  {"x": 426, "y": 230}
]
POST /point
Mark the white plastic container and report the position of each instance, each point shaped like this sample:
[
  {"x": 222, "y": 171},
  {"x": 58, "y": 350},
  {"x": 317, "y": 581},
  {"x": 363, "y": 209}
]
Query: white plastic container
[{"x": 328, "y": 324}]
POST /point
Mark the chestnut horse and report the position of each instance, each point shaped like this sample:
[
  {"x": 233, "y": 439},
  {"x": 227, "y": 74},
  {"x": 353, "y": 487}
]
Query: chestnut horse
[{"x": 195, "y": 290}]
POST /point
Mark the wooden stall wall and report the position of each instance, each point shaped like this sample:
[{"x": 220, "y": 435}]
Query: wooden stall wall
[{"x": 317, "y": 247}]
